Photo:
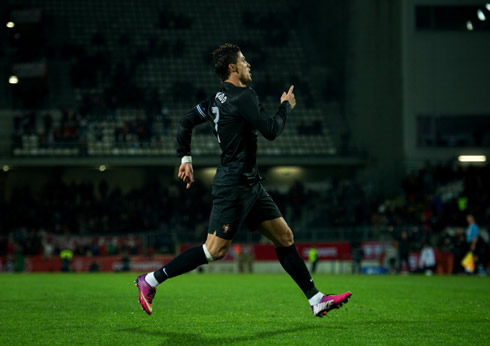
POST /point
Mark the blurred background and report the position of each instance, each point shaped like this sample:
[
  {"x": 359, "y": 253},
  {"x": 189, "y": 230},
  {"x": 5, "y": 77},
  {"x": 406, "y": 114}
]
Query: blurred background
[{"x": 387, "y": 148}]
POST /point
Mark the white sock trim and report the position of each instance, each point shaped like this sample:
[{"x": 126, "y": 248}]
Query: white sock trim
[
  {"x": 150, "y": 279},
  {"x": 208, "y": 255},
  {"x": 316, "y": 298}
]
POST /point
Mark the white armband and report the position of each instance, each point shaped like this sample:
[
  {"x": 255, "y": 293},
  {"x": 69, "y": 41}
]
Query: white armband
[{"x": 186, "y": 159}]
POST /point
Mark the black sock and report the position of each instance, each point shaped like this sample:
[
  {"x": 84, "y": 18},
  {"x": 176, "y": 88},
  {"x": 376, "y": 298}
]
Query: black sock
[
  {"x": 183, "y": 263},
  {"x": 296, "y": 268}
]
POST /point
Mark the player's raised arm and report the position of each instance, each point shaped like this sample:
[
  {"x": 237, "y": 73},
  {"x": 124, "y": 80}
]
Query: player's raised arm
[
  {"x": 184, "y": 137},
  {"x": 255, "y": 113},
  {"x": 289, "y": 96}
]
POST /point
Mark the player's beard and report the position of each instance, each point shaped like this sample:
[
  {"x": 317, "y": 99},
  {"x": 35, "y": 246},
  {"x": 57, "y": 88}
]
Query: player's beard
[{"x": 245, "y": 78}]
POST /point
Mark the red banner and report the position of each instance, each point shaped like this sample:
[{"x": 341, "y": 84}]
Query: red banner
[
  {"x": 103, "y": 263},
  {"x": 266, "y": 252},
  {"x": 375, "y": 250},
  {"x": 326, "y": 251}
]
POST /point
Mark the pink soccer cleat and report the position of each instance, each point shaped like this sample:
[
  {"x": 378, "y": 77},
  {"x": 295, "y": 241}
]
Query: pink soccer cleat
[
  {"x": 330, "y": 302},
  {"x": 147, "y": 293}
]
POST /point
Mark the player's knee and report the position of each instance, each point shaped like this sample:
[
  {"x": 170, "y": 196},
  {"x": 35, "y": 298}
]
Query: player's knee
[
  {"x": 286, "y": 238},
  {"x": 218, "y": 252}
]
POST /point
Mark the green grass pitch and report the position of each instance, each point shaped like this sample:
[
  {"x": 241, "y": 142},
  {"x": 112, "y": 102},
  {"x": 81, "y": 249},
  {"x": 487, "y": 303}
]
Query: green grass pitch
[{"x": 259, "y": 309}]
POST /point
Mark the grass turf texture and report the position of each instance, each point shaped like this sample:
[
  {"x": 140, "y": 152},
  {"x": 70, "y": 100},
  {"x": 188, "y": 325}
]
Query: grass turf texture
[{"x": 246, "y": 309}]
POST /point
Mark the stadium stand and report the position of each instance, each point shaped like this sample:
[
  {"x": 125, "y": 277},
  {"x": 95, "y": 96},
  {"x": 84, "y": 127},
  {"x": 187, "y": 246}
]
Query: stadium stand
[{"x": 135, "y": 72}]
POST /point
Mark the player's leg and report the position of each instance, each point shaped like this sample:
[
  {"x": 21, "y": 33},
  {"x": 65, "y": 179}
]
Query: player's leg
[
  {"x": 224, "y": 222},
  {"x": 282, "y": 237},
  {"x": 215, "y": 248},
  {"x": 278, "y": 231}
]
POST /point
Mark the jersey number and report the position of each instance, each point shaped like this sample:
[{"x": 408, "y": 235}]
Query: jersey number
[{"x": 215, "y": 111}]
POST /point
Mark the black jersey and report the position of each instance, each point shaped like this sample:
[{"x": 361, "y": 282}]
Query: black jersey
[{"x": 235, "y": 114}]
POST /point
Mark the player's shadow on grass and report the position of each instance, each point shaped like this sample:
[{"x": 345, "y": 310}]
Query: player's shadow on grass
[{"x": 191, "y": 338}]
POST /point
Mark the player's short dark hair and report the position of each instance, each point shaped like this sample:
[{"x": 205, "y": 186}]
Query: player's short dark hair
[{"x": 224, "y": 55}]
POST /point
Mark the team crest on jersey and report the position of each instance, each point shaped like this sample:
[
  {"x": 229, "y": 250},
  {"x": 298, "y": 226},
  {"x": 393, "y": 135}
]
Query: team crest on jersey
[
  {"x": 221, "y": 97},
  {"x": 226, "y": 228}
]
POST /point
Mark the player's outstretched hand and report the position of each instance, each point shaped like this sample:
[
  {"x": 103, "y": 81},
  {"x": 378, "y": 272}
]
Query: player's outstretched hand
[
  {"x": 186, "y": 174},
  {"x": 289, "y": 97}
]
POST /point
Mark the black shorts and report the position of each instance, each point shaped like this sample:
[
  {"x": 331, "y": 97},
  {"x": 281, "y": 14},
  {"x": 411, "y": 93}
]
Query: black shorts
[{"x": 236, "y": 206}]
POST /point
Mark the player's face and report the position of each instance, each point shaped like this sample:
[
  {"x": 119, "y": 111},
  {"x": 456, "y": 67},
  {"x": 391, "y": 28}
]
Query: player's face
[{"x": 243, "y": 69}]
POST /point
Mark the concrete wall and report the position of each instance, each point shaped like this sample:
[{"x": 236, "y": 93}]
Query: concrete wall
[
  {"x": 395, "y": 73},
  {"x": 444, "y": 73},
  {"x": 6, "y": 132},
  {"x": 373, "y": 89}
]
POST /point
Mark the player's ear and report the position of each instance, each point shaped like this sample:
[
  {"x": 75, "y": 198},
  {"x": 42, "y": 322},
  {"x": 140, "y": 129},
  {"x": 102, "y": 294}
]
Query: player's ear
[{"x": 232, "y": 68}]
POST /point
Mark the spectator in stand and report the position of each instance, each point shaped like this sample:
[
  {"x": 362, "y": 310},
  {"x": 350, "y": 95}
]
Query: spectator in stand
[
  {"x": 427, "y": 261},
  {"x": 403, "y": 252},
  {"x": 477, "y": 245},
  {"x": 482, "y": 256},
  {"x": 357, "y": 255},
  {"x": 125, "y": 262},
  {"x": 48, "y": 248},
  {"x": 459, "y": 250},
  {"x": 391, "y": 258},
  {"x": 94, "y": 267},
  {"x": 472, "y": 233},
  {"x": 313, "y": 258},
  {"x": 66, "y": 257}
]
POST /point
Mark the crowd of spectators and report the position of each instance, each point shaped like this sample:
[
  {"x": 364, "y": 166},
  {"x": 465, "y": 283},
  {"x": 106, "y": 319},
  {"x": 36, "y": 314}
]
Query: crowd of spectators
[
  {"x": 86, "y": 209},
  {"x": 83, "y": 208},
  {"x": 439, "y": 196},
  {"x": 64, "y": 216},
  {"x": 88, "y": 125},
  {"x": 79, "y": 129},
  {"x": 40, "y": 242},
  {"x": 431, "y": 208},
  {"x": 70, "y": 130},
  {"x": 432, "y": 198}
]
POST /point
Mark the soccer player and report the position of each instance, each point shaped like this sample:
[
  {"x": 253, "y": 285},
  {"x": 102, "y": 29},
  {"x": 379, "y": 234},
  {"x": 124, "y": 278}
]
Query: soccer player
[{"x": 236, "y": 115}]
